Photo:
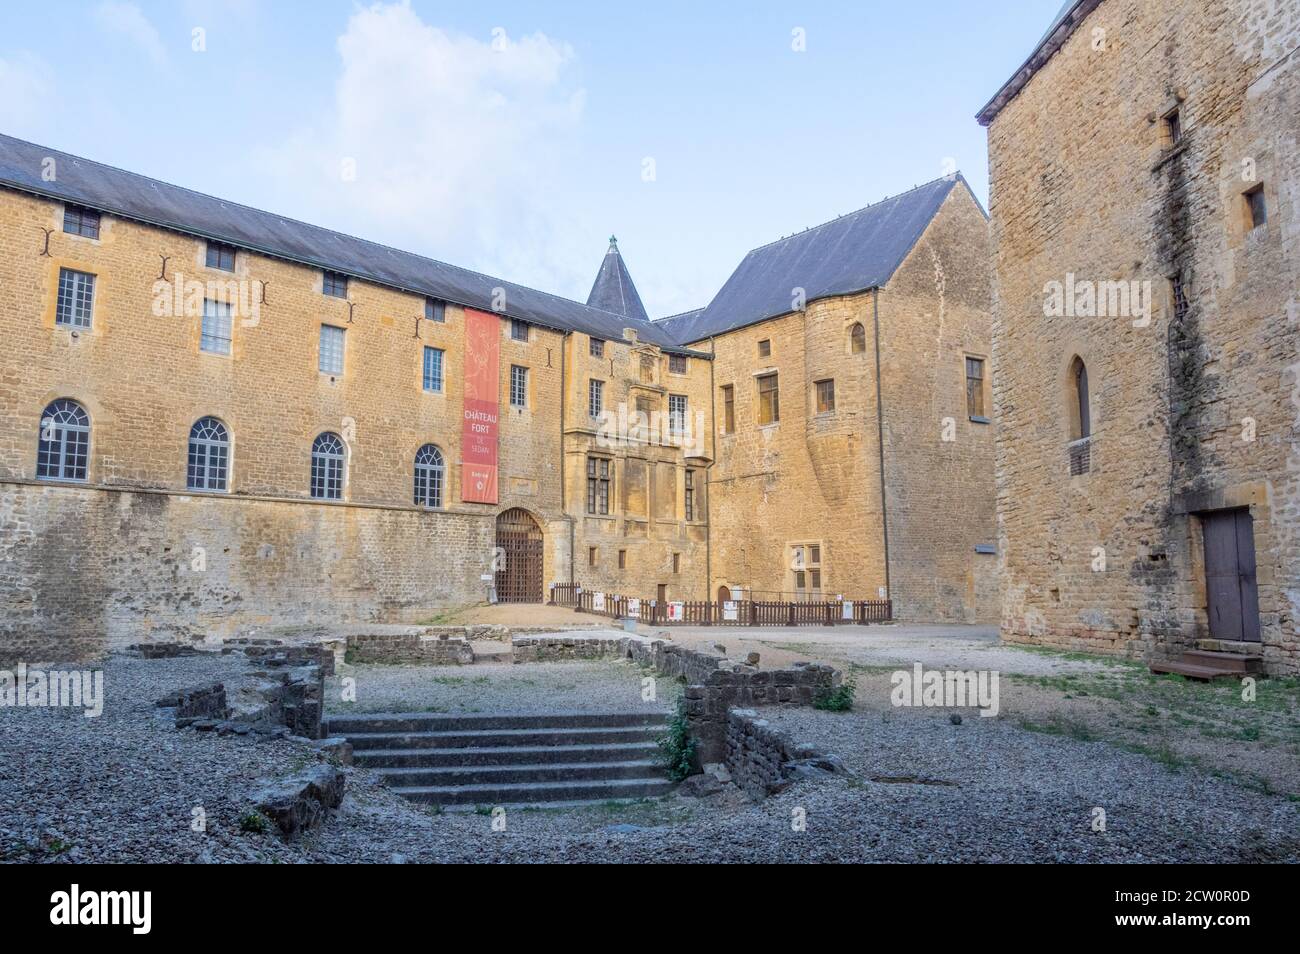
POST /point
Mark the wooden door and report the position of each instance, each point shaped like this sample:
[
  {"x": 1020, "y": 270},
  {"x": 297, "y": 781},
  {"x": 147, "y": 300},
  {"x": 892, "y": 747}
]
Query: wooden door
[{"x": 1232, "y": 596}]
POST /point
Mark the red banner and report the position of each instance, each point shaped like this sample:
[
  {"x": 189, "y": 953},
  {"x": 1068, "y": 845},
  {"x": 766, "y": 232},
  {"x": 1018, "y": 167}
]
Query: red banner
[{"x": 478, "y": 442}]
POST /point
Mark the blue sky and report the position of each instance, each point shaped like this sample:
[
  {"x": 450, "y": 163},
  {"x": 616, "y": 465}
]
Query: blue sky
[{"x": 513, "y": 138}]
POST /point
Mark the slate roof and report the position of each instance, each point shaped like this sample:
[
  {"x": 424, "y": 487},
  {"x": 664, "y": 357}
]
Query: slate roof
[
  {"x": 850, "y": 254},
  {"x": 1060, "y": 30},
  {"x": 613, "y": 289},
  {"x": 146, "y": 200}
]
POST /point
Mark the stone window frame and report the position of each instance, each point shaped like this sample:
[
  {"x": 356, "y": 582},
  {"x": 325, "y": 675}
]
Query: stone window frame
[
  {"x": 333, "y": 284},
  {"x": 765, "y": 347},
  {"x": 217, "y": 254},
  {"x": 600, "y": 485},
  {"x": 824, "y": 397},
  {"x": 81, "y": 221},
  {"x": 678, "y": 408},
  {"x": 596, "y": 347},
  {"x": 209, "y": 456},
  {"x": 677, "y": 364},
  {"x": 519, "y": 330},
  {"x": 74, "y": 305},
  {"x": 1255, "y": 206},
  {"x": 430, "y": 473},
  {"x": 435, "y": 309},
  {"x": 595, "y": 397},
  {"x": 64, "y": 426},
  {"x": 329, "y": 466},
  {"x": 976, "y": 413},
  {"x": 806, "y": 562},
  {"x": 216, "y": 328},
  {"x": 728, "y": 409},
  {"x": 769, "y": 410},
  {"x": 688, "y": 486},
  {"x": 332, "y": 345},
  {"x": 1079, "y": 416},
  {"x": 433, "y": 369},
  {"x": 857, "y": 338},
  {"x": 518, "y": 386}
]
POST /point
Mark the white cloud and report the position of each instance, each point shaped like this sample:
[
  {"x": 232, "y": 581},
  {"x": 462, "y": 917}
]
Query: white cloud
[
  {"x": 454, "y": 143},
  {"x": 127, "y": 20},
  {"x": 28, "y": 93}
]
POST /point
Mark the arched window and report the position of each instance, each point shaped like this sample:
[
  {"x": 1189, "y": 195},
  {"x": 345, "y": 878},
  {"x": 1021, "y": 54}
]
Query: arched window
[
  {"x": 857, "y": 338},
  {"x": 428, "y": 477},
  {"x": 327, "y": 457},
  {"x": 64, "y": 449},
  {"x": 1080, "y": 415},
  {"x": 209, "y": 461}
]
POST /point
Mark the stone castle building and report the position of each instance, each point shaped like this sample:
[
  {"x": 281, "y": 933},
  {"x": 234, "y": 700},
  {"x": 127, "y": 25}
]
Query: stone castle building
[
  {"x": 215, "y": 420},
  {"x": 1144, "y": 184}
]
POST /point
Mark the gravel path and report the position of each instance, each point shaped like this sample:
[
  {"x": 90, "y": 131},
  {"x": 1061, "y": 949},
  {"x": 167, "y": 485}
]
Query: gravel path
[{"x": 123, "y": 787}]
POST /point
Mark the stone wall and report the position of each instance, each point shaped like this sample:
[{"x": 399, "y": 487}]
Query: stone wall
[
  {"x": 410, "y": 649},
  {"x": 762, "y": 760},
  {"x": 1189, "y": 412},
  {"x": 813, "y": 479},
  {"x": 714, "y": 684}
]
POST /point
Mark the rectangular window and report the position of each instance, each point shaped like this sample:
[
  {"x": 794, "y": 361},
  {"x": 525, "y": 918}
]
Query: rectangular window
[
  {"x": 597, "y": 348},
  {"x": 1179, "y": 294},
  {"x": 518, "y": 386},
  {"x": 975, "y": 388},
  {"x": 76, "y": 301},
  {"x": 78, "y": 220},
  {"x": 591, "y": 556},
  {"x": 432, "y": 369},
  {"x": 769, "y": 405},
  {"x": 765, "y": 348},
  {"x": 221, "y": 256},
  {"x": 677, "y": 563},
  {"x": 435, "y": 310},
  {"x": 690, "y": 495},
  {"x": 622, "y": 559},
  {"x": 1173, "y": 129},
  {"x": 677, "y": 363},
  {"x": 1256, "y": 209},
  {"x": 597, "y": 485},
  {"x": 728, "y": 409},
  {"x": 595, "y": 397},
  {"x": 806, "y": 564},
  {"x": 518, "y": 329},
  {"x": 825, "y": 396},
  {"x": 331, "y": 349},
  {"x": 676, "y": 413},
  {"x": 215, "y": 336},
  {"x": 334, "y": 284}
]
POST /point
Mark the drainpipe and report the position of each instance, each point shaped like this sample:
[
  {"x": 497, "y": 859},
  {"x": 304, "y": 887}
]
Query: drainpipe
[
  {"x": 713, "y": 459},
  {"x": 880, "y": 440},
  {"x": 564, "y": 506}
]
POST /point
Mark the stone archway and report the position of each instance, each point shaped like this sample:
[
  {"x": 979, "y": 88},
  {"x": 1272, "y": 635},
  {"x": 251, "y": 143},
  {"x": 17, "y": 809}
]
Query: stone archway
[{"x": 519, "y": 545}]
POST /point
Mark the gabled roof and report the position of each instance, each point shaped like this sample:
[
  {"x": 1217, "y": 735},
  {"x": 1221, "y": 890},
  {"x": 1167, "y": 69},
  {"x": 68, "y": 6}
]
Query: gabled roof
[
  {"x": 613, "y": 289},
  {"x": 1062, "y": 27},
  {"x": 850, "y": 254},
  {"x": 146, "y": 200}
]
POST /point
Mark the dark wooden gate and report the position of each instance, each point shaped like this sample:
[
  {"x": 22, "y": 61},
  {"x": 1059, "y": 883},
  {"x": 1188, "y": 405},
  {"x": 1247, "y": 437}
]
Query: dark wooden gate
[
  {"x": 519, "y": 570},
  {"x": 1231, "y": 593}
]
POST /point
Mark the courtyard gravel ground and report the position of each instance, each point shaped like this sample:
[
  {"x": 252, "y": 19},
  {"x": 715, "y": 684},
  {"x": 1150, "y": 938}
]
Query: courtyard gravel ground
[{"x": 125, "y": 786}]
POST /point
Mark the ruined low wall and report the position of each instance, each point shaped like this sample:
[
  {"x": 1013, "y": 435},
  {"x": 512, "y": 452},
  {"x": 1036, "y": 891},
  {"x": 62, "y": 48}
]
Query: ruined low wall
[
  {"x": 714, "y": 684},
  {"x": 762, "y": 760},
  {"x": 412, "y": 649}
]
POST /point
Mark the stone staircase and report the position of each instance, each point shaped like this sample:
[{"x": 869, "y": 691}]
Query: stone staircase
[
  {"x": 489, "y": 760},
  {"x": 1207, "y": 665}
]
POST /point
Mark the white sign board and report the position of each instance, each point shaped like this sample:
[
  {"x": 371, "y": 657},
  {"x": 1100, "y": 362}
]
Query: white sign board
[
  {"x": 676, "y": 611},
  {"x": 598, "y": 602},
  {"x": 731, "y": 610},
  {"x": 633, "y": 607},
  {"x": 848, "y": 611}
]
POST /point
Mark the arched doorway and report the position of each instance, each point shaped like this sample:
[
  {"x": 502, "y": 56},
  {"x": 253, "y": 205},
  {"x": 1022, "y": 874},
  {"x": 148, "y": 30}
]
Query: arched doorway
[
  {"x": 724, "y": 594},
  {"x": 519, "y": 546}
]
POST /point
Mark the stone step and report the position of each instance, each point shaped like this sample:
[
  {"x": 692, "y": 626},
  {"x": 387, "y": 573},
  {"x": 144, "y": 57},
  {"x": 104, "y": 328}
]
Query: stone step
[
  {"x": 488, "y": 738},
  {"x": 529, "y": 793},
  {"x": 340, "y": 724},
  {"x": 503, "y": 755},
  {"x": 1234, "y": 662},
  {"x": 462, "y": 776},
  {"x": 1190, "y": 671}
]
